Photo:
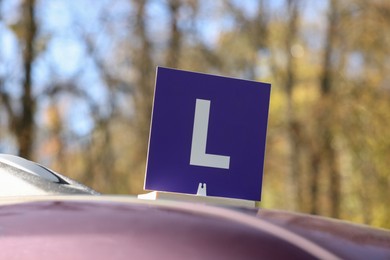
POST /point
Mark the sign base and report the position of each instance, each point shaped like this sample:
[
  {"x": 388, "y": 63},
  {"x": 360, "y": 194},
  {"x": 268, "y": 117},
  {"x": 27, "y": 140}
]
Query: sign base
[{"x": 158, "y": 195}]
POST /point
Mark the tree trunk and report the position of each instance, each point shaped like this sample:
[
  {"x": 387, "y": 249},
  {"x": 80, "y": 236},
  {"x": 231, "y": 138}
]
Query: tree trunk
[
  {"x": 326, "y": 134},
  {"x": 25, "y": 127},
  {"x": 174, "y": 46},
  {"x": 293, "y": 126},
  {"x": 145, "y": 84}
]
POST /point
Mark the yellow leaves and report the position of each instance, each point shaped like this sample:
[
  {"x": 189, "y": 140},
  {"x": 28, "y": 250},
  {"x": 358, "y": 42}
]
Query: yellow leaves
[{"x": 18, "y": 30}]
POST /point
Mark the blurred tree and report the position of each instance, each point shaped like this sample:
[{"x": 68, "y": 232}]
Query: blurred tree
[
  {"x": 144, "y": 68},
  {"x": 363, "y": 118},
  {"x": 293, "y": 124},
  {"x": 24, "y": 125},
  {"x": 22, "y": 120},
  {"x": 174, "y": 44},
  {"x": 329, "y": 153}
]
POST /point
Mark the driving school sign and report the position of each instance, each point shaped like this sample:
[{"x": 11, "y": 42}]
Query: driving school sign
[{"x": 207, "y": 129}]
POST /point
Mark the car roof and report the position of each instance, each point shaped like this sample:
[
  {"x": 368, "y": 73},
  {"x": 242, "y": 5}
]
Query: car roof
[{"x": 94, "y": 226}]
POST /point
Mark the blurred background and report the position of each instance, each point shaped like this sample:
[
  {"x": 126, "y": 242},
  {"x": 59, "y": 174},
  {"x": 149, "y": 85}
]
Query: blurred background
[{"x": 77, "y": 82}]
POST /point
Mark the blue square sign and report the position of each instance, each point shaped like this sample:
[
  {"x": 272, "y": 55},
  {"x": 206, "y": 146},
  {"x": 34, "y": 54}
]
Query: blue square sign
[{"x": 207, "y": 129}]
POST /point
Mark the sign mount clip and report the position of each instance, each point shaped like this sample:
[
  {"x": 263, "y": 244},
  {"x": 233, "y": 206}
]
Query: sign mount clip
[{"x": 201, "y": 189}]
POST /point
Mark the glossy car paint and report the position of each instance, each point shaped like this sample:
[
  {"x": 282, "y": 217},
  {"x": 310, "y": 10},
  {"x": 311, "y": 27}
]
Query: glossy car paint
[{"x": 100, "y": 227}]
